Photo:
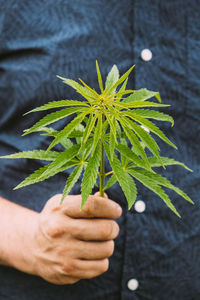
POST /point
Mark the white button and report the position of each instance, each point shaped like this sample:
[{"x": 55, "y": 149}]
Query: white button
[
  {"x": 146, "y": 54},
  {"x": 133, "y": 284},
  {"x": 140, "y": 206},
  {"x": 146, "y": 129}
]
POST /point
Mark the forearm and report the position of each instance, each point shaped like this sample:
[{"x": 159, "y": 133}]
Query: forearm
[{"x": 16, "y": 222}]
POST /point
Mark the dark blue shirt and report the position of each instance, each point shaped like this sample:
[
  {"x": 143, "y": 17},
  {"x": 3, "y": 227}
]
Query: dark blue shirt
[{"x": 39, "y": 39}]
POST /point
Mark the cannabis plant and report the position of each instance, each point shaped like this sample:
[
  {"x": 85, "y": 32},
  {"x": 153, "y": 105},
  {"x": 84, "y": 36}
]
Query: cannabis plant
[{"x": 113, "y": 122}]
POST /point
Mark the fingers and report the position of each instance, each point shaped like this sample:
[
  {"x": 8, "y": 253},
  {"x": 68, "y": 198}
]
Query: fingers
[
  {"x": 95, "y": 207},
  {"x": 74, "y": 270},
  {"x": 85, "y": 268},
  {"x": 94, "y": 250},
  {"x": 94, "y": 230}
]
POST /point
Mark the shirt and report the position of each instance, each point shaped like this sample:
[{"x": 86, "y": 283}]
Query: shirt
[{"x": 157, "y": 255}]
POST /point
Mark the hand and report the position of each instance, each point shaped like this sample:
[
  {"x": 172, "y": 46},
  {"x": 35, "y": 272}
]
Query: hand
[{"x": 71, "y": 244}]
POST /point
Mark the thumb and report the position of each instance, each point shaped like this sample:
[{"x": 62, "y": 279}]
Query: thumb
[{"x": 98, "y": 194}]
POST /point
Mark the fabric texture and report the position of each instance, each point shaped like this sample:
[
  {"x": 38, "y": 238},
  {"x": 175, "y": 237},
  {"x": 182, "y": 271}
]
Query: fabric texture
[{"x": 39, "y": 39}]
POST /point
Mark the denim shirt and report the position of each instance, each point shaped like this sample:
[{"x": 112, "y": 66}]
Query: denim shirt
[{"x": 157, "y": 255}]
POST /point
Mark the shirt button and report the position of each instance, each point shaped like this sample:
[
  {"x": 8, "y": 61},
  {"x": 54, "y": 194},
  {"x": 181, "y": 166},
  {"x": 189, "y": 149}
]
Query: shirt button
[
  {"x": 140, "y": 206},
  {"x": 133, "y": 284},
  {"x": 146, "y": 55}
]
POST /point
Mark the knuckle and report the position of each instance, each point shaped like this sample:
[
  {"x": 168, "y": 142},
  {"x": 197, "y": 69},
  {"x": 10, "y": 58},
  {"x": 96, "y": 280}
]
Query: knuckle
[
  {"x": 75, "y": 229},
  {"x": 64, "y": 251},
  {"x": 55, "y": 231},
  {"x": 69, "y": 268},
  {"x": 51, "y": 275},
  {"x": 51, "y": 227},
  {"x": 61, "y": 280},
  {"x": 109, "y": 230},
  {"x": 70, "y": 204},
  {"x": 54, "y": 278},
  {"x": 91, "y": 205},
  {"x": 106, "y": 230},
  {"x": 53, "y": 202}
]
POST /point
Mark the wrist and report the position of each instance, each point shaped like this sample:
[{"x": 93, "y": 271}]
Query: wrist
[
  {"x": 18, "y": 231},
  {"x": 24, "y": 253}
]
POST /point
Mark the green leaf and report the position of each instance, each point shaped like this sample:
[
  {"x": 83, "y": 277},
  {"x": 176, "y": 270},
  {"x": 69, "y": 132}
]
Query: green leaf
[
  {"x": 79, "y": 129},
  {"x": 112, "y": 144},
  {"x": 64, "y": 133},
  {"x": 124, "y": 159},
  {"x": 97, "y": 133},
  {"x": 112, "y": 125},
  {"x": 78, "y": 87},
  {"x": 89, "y": 89},
  {"x": 119, "y": 94},
  {"x": 119, "y": 81},
  {"x": 137, "y": 104},
  {"x": 150, "y": 184},
  {"x": 90, "y": 126},
  {"x": 87, "y": 149},
  {"x": 145, "y": 137},
  {"x": 53, "y": 117},
  {"x": 135, "y": 143},
  {"x": 75, "y": 85},
  {"x": 148, "y": 124},
  {"x": 154, "y": 162},
  {"x": 76, "y": 133},
  {"x": 125, "y": 181},
  {"x": 127, "y": 152},
  {"x": 39, "y": 175},
  {"x": 152, "y": 114},
  {"x": 123, "y": 88},
  {"x": 99, "y": 77},
  {"x": 49, "y": 131},
  {"x": 132, "y": 190},
  {"x": 112, "y": 135},
  {"x": 158, "y": 179},
  {"x": 112, "y": 180},
  {"x": 66, "y": 143},
  {"x": 90, "y": 174},
  {"x": 118, "y": 130},
  {"x": 35, "y": 154},
  {"x": 71, "y": 180},
  {"x": 105, "y": 127},
  {"x": 56, "y": 104},
  {"x": 142, "y": 95},
  {"x": 63, "y": 158},
  {"x": 113, "y": 77}
]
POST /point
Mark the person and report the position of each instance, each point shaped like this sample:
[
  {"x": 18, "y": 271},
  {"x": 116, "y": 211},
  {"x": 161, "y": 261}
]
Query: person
[{"x": 57, "y": 252}]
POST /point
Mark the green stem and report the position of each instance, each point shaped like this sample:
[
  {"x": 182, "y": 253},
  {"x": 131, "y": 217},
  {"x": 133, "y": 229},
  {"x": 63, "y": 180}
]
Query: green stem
[
  {"x": 109, "y": 173},
  {"x": 102, "y": 164}
]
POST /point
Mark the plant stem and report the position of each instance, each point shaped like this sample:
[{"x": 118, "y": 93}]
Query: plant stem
[
  {"x": 102, "y": 164},
  {"x": 109, "y": 173}
]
